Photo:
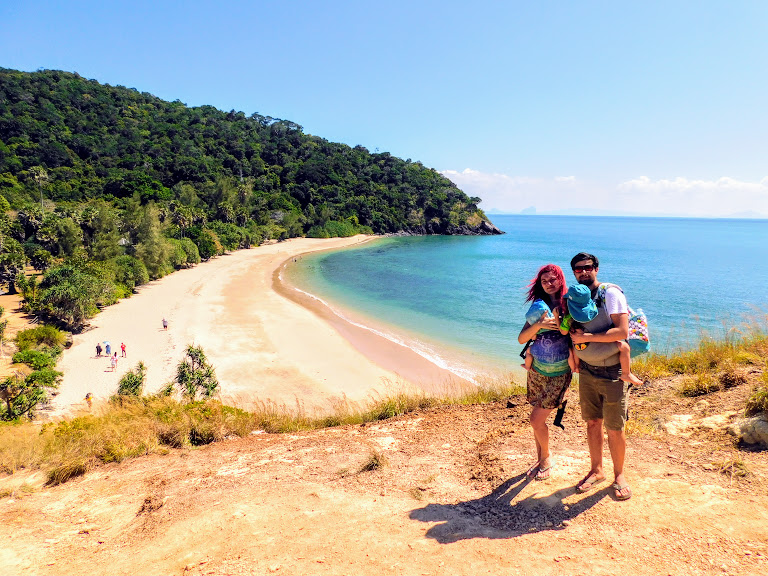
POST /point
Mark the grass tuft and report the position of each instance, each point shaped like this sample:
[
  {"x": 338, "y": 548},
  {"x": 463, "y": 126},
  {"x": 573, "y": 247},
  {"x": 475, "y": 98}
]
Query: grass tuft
[
  {"x": 699, "y": 385},
  {"x": 376, "y": 460},
  {"x": 733, "y": 468},
  {"x": 732, "y": 376},
  {"x": 758, "y": 401}
]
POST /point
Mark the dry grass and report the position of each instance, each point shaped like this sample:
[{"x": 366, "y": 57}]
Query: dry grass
[
  {"x": 131, "y": 427},
  {"x": 375, "y": 461},
  {"x": 743, "y": 346},
  {"x": 733, "y": 468},
  {"x": 699, "y": 384},
  {"x": 758, "y": 400}
]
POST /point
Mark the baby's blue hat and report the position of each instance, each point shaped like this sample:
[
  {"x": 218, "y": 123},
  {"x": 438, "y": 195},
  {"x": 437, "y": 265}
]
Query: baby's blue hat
[
  {"x": 538, "y": 308},
  {"x": 580, "y": 303}
]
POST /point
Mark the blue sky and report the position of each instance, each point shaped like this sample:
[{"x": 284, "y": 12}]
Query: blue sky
[{"x": 653, "y": 108}]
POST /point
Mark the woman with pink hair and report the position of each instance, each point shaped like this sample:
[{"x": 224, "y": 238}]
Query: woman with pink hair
[{"x": 550, "y": 374}]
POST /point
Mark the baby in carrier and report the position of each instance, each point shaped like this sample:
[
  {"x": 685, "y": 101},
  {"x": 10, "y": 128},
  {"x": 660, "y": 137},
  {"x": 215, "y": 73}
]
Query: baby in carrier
[
  {"x": 581, "y": 308},
  {"x": 535, "y": 312}
]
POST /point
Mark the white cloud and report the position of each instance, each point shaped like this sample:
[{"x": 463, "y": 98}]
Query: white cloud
[{"x": 723, "y": 197}]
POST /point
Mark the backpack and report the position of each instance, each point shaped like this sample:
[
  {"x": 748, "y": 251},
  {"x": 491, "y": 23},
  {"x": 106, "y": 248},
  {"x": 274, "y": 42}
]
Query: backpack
[{"x": 639, "y": 339}]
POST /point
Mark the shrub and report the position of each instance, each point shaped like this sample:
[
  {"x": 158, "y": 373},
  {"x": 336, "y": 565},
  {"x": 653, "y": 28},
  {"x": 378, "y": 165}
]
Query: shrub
[
  {"x": 191, "y": 251},
  {"x": 208, "y": 244},
  {"x": 44, "y": 334},
  {"x": 132, "y": 382},
  {"x": 177, "y": 257},
  {"x": 35, "y": 358},
  {"x": 131, "y": 272}
]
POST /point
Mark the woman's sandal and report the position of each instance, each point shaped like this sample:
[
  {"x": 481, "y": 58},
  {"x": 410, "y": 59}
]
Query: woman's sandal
[{"x": 544, "y": 473}]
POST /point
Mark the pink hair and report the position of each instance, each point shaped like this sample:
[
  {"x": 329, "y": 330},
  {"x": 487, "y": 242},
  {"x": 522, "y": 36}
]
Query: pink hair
[{"x": 535, "y": 290}]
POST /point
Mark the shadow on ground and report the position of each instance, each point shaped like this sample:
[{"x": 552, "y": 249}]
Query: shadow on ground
[{"x": 498, "y": 515}]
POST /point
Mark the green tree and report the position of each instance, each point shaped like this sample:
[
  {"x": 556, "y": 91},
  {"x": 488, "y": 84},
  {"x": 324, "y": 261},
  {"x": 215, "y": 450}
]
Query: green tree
[
  {"x": 152, "y": 248},
  {"x": 70, "y": 237},
  {"x": 12, "y": 262},
  {"x": 130, "y": 272},
  {"x": 41, "y": 260},
  {"x": 195, "y": 376},
  {"x": 106, "y": 237},
  {"x": 3, "y": 328},
  {"x": 40, "y": 176},
  {"x": 71, "y": 295},
  {"x": 208, "y": 244},
  {"x": 190, "y": 251},
  {"x": 23, "y": 394},
  {"x": 30, "y": 292}
]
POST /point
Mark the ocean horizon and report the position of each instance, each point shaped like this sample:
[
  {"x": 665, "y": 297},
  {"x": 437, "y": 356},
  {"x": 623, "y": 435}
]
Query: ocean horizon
[{"x": 459, "y": 301}]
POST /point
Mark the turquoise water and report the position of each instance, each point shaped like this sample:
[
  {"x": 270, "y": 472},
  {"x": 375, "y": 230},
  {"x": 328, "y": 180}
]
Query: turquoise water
[{"x": 460, "y": 300}]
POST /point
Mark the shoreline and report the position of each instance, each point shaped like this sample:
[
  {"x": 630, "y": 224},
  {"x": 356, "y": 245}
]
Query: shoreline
[
  {"x": 266, "y": 346},
  {"x": 399, "y": 358}
]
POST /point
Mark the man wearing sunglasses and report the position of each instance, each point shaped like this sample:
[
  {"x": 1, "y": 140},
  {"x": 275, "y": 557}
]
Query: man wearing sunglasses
[{"x": 603, "y": 396}]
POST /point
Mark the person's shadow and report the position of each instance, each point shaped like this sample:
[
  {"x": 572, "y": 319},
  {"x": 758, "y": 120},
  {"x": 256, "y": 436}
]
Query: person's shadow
[{"x": 497, "y": 515}]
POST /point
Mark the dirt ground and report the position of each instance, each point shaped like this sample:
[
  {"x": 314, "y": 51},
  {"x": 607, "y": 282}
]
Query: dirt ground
[
  {"x": 446, "y": 494},
  {"x": 17, "y": 320}
]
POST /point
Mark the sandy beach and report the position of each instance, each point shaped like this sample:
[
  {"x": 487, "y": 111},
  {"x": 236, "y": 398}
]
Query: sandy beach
[{"x": 266, "y": 340}]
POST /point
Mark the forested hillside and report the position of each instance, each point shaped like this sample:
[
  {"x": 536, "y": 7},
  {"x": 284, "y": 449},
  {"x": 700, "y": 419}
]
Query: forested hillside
[
  {"x": 100, "y": 141},
  {"x": 103, "y": 188}
]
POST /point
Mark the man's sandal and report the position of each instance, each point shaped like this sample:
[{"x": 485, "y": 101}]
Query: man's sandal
[
  {"x": 620, "y": 488},
  {"x": 588, "y": 483}
]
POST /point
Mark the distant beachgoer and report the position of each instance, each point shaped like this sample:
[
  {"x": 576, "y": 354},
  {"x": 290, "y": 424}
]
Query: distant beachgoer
[
  {"x": 165, "y": 324},
  {"x": 89, "y": 399},
  {"x": 122, "y": 350},
  {"x": 113, "y": 362},
  {"x": 108, "y": 349},
  {"x": 98, "y": 349}
]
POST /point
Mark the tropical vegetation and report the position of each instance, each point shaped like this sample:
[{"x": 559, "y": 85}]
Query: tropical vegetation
[{"x": 103, "y": 188}]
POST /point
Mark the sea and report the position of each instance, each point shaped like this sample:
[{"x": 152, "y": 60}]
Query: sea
[{"x": 459, "y": 301}]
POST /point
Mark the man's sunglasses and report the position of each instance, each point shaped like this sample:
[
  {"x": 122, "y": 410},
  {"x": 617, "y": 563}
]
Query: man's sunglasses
[{"x": 587, "y": 268}]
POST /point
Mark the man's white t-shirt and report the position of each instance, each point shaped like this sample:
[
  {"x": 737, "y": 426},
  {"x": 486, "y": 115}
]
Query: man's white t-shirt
[{"x": 615, "y": 301}]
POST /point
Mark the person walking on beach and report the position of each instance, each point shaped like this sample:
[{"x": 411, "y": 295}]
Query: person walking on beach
[
  {"x": 98, "y": 349},
  {"x": 122, "y": 350},
  {"x": 550, "y": 375},
  {"x": 113, "y": 362},
  {"x": 165, "y": 324},
  {"x": 108, "y": 349},
  {"x": 603, "y": 395}
]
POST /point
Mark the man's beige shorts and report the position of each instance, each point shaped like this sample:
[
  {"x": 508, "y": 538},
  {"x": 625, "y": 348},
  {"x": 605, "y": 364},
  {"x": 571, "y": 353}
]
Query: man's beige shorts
[{"x": 602, "y": 395}]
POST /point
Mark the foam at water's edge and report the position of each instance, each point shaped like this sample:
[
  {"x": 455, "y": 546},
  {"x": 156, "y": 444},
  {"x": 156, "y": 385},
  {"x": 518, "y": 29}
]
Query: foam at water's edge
[{"x": 416, "y": 346}]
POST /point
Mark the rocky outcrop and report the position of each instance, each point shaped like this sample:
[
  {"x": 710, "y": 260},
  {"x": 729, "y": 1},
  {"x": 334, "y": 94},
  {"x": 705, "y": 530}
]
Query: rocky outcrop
[
  {"x": 485, "y": 228},
  {"x": 751, "y": 430}
]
